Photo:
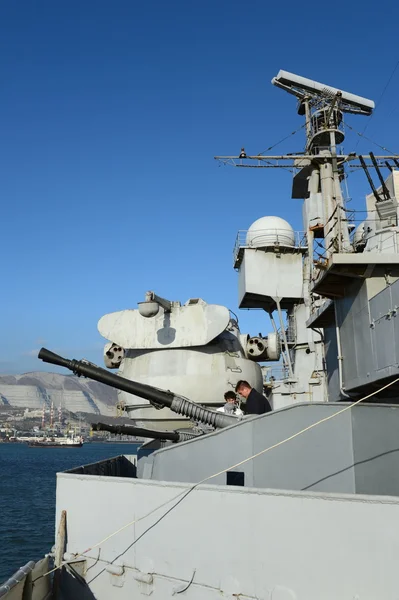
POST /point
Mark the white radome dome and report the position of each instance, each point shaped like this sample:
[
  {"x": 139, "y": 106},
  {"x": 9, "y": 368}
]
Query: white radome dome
[{"x": 270, "y": 231}]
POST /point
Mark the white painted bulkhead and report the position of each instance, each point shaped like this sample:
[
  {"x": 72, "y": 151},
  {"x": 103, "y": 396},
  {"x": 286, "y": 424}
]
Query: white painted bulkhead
[{"x": 230, "y": 541}]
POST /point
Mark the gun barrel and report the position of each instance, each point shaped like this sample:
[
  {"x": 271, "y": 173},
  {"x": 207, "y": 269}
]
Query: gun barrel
[
  {"x": 54, "y": 359},
  {"x": 173, "y": 436},
  {"x": 81, "y": 367},
  {"x": 162, "y": 398}
]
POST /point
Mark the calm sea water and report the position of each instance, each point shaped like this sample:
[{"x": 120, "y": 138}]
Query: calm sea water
[{"x": 27, "y": 496}]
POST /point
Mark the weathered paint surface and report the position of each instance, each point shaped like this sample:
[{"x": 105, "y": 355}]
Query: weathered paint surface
[
  {"x": 201, "y": 374},
  {"x": 357, "y": 451},
  {"x": 184, "y": 326},
  {"x": 252, "y": 544}
]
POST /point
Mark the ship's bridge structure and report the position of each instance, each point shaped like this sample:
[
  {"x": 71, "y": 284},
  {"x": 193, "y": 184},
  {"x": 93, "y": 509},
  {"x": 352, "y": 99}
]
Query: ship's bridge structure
[
  {"x": 361, "y": 287},
  {"x": 337, "y": 283}
]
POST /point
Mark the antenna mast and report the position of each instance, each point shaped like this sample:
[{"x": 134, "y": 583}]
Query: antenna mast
[{"x": 320, "y": 169}]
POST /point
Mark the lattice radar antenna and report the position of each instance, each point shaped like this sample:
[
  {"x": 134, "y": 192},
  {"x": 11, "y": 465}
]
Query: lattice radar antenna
[
  {"x": 307, "y": 90},
  {"x": 323, "y": 107}
]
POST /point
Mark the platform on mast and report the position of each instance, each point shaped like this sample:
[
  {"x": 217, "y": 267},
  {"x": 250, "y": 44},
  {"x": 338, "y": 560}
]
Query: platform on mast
[{"x": 341, "y": 268}]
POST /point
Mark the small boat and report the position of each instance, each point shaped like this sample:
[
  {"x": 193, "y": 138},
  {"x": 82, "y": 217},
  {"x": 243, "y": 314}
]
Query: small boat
[{"x": 57, "y": 442}]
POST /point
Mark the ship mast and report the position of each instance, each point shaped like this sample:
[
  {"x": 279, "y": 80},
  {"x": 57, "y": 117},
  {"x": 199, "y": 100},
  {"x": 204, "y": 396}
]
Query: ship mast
[{"x": 320, "y": 169}]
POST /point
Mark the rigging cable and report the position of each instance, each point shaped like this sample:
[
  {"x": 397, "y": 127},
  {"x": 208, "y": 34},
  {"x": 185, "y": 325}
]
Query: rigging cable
[
  {"x": 280, "y": 142},
  {"x": 283, "y": 139},
  {"x": 379, "y": 101},
  {"x": 369, "y": 140}
]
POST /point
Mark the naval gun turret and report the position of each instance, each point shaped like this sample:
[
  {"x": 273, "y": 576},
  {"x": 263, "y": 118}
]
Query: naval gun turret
[
  {"x": 157, "y": 397},
  {"x": 195, "y": 349}
]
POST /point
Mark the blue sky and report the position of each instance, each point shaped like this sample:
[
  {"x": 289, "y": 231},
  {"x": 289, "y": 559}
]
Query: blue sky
[{"x": 110, "y": 115}]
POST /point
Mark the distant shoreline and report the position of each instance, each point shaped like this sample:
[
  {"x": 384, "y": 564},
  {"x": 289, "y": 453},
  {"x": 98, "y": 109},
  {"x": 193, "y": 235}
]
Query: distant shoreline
[{"x": 112, "y": 442}]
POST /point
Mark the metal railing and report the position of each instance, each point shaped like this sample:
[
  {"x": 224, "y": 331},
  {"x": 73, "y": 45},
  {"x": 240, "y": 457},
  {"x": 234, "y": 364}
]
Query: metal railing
[
  {"x": 269, "y": 238},
  {"x": 19, "y": 576},
  {"x": 276, "y": 374}
]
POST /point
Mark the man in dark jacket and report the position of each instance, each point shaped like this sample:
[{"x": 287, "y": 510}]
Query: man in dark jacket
[{"x": 256, "y": 403}]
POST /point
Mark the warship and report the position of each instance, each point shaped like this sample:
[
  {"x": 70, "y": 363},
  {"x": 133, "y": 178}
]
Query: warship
[{"x": 298, "y": 503}]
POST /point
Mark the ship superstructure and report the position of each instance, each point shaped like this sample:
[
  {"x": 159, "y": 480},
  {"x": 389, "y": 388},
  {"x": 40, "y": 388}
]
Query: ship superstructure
[
  {"x": 336, "y": 282},
  {"x": 301, "y": 279},
  {"x": 301, "y": 502}
]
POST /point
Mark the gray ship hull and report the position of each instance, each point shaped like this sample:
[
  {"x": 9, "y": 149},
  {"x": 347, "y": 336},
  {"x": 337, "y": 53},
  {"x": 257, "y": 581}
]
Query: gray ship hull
[{"x": 316, "y": 517}]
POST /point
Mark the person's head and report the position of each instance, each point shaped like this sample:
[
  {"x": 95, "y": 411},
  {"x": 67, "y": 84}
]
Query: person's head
[
  {"x": 230, "y": 397},
  {"x": 243, "y": 388}
]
